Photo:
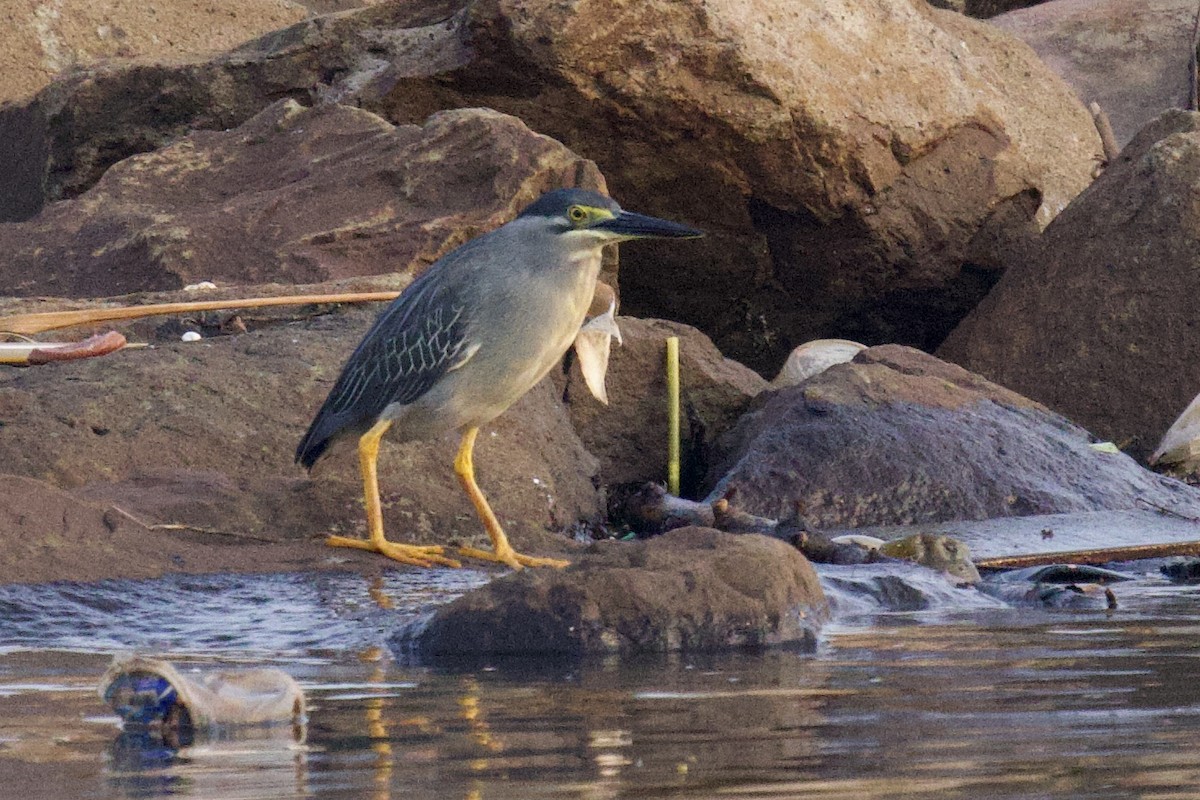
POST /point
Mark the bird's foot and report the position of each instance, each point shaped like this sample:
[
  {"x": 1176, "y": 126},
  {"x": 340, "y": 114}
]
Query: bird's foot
[
  {"x": 417, "y": 555},
  {"x": 512, "y": 558}
]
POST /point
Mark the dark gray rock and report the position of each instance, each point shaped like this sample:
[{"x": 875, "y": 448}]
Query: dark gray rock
[
  {"x": 898, "y": 437},
  {"x": 691, "y": 589}
]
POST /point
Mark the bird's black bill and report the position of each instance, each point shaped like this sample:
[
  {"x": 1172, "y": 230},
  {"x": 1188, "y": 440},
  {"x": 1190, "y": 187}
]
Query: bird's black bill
[{"x": 640, "y": 226}]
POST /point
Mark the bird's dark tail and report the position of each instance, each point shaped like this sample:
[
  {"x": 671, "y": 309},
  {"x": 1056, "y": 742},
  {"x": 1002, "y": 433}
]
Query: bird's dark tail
[
  {"x": 309, "y": 451},
  {"x": 320, "y": 435}
]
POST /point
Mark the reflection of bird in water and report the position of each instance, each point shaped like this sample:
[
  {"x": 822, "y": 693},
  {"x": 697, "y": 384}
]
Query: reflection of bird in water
[{"x": 468, "y": 338}]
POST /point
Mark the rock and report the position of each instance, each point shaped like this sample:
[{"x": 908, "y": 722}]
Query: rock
[
  {"x": 629, "y": 435},
  {"x": 937, "y": 552},
  {"x": 834, "y": 194},
  {"x": 48, "y": 534},
  {"x": 1180, "y": 445},
  {"x": 813, "y": 358},
  {"x": 841, "y": 200},
  {"x": 898, "y": 437},
  {"x": 982, "y": 9},
  {"x": 204, "y": 434},
  {"x": 692, "y": 589},
  {"x": 58, "y": 144},
  {"x": 294, "y": 195},
  {"x": 41, "y": 40},
  {"x": 1130, "y": 56},
  {"x": 1100, "y": 322}
]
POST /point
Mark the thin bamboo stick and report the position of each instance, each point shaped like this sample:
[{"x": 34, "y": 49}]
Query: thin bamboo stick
[
  {"x": 1101, "y": 555},
  {"x": 673, "y": 415},
  {"x": 51, "y": 320}
]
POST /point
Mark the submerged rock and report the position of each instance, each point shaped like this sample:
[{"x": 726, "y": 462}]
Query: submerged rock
[
  {"x": 899, "y": 437},
  {"x": 937, "y": 552},
  {"x": 690, "y": 589}
]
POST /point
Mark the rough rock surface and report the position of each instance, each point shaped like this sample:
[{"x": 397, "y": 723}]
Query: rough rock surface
[
  {"x": 293, "y": 195},
  {"x": 629, "y": 436},
  {"x": 842, "y": 200},
  {"x": 691, "y": 589},
  {"x": 1100, "y": 323},
  {"x": 48, "y": 534},
  {"x": 59, "y": 143},
  {"x": 898, "y": 437},
  {"x": 41, "y": 39},
  {"x": 204, "y": 433},
  {"x": 1130, "y": 56}
]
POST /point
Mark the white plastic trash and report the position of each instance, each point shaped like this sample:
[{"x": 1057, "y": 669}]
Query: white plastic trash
[{"x": 147, "y": 691}]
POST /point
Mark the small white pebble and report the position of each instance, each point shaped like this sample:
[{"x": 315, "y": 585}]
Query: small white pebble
[
  {"x": 537, "y": 481},
  {"x": 190, "y": 336},
  {"x": 196, "y": 287}
]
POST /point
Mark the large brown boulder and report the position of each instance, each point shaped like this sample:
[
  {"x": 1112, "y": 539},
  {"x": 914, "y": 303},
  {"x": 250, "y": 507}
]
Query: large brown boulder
[
  {"x": 629, "y": 435},
  {"x": 1101, "y": 323},
  {"x": 897, "y": 437},
  {"x": 39, "y": 40},
  {"x": 843, "y": 200},
  {"x": 693, "y": 589},
  {"x": 203, "y": 434},
  {"x": 1130, "y": 56},
  {"x": 293, "y": 195}
]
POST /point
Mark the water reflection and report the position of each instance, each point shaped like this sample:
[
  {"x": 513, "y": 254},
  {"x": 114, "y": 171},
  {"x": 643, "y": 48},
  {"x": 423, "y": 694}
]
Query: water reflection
[{"x": 979, "y": 702}]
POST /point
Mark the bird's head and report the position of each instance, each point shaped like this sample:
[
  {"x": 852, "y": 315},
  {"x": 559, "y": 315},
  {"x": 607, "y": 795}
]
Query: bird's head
[{"x": 590, "y": 219}]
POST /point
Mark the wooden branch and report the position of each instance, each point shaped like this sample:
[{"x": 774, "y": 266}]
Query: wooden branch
[
  {"x": 50, "y": 320},
  {"x": 1101, "y": 555},
  {"x": 1108, "y": 139}
]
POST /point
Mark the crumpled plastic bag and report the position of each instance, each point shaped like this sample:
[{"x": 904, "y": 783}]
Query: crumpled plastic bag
[{"x": 147, "y": 691}]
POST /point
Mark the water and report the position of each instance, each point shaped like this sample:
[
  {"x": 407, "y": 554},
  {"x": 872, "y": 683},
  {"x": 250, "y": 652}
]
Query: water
[{"x": 966, "y": 698}]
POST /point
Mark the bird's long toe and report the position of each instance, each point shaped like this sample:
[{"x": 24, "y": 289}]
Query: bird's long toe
[
  {"x": 512, "y": 558},
  {"x": 416, "y": 555}
]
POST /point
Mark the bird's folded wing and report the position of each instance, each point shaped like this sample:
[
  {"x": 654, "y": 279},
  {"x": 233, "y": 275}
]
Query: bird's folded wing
[{"x": 413, "y": 344}]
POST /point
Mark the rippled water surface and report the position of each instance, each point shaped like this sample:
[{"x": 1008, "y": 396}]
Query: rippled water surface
[{"x": 968, "y": 699}]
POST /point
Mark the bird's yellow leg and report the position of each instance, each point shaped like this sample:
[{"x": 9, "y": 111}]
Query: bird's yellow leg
[
  {"x": 421, "y": 556},
  {"x": 502, "y": 551}
]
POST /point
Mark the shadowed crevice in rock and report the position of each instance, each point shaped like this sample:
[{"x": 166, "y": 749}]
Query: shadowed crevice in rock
[{"x": 694, "y": 589}]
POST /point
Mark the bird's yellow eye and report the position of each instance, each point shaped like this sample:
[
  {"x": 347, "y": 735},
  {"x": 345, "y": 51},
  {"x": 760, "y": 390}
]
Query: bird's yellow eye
[{"x": 577, "y": 213}]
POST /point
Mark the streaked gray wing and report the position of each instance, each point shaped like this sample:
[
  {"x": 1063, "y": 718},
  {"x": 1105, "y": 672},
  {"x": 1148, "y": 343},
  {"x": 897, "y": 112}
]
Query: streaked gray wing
[
  {"x": 417, "y": 340},
  {"x": 401, "y": 357}
]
